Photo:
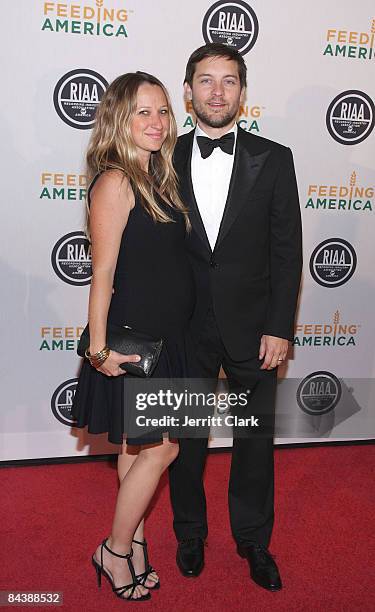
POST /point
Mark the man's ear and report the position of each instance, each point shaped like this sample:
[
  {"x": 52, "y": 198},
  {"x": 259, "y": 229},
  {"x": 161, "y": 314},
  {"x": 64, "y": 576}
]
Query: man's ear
[
  {"x": 243, "y": 96},
  {"x": 187, "y": 91}
]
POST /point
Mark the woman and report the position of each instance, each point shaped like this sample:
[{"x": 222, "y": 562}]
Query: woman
[{"x": 141, "y": 278}]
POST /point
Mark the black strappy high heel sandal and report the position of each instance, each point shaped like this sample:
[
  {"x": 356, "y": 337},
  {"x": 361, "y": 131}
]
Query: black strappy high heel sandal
[
  {"x": 141, "y": 578},
  {"x": 119, "y": 591}
]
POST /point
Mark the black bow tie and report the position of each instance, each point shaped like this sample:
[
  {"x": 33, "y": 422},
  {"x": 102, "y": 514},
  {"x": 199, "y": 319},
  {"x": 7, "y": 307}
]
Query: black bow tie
[{"x": 207, "y": 145}]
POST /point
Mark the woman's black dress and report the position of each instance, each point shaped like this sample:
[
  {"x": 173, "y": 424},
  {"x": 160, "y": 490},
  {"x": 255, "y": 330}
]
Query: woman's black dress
[{"x": 153, "y": 293}]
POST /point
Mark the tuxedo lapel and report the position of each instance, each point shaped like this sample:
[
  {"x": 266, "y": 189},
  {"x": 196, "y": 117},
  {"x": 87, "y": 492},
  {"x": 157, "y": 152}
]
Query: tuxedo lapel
[
  {"x": 246, "y": 169},
  {"x": 183, "y": 166}
]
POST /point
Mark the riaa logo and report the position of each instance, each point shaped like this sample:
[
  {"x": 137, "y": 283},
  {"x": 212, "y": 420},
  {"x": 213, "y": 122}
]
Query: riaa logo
[
  {"x": 62, "y": 400},
  {"x": 333, "y": 262},
  {"x": 71, "y": 259},
  {"x": 319, "y": 393},
  {"x": 350, "y": 117},
  {"x": 232, "y": 23},
  {"x": 77, "y": 95}
]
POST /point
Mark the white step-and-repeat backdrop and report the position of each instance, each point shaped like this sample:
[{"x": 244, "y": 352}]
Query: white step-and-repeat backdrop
[{"x": 311, "y": 87}]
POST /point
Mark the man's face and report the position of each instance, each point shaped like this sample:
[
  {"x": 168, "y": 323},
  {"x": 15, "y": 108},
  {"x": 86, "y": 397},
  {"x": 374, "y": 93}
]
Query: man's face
[{"x": 216, "y": 92}]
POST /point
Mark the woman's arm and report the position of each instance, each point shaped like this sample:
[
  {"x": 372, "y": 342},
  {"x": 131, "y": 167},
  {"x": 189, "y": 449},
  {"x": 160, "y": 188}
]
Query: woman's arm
[{"x": 111, "y": 202}]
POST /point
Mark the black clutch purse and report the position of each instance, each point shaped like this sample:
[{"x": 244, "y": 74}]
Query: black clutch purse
[{"x": 127, "y": 341}]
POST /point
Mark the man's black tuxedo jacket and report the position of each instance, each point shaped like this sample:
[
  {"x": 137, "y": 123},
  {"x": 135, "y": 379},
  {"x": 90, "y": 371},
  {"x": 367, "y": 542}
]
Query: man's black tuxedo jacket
[{"x": 252, "y": 277}]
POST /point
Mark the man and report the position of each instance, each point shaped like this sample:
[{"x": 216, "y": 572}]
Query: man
[{"x": 245, "y": 248}]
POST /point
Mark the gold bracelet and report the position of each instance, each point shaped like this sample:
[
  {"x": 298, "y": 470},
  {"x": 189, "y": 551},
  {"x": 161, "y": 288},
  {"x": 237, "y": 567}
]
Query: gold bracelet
[
  {"x": 98, "y": 363},
  {"x": 98, "y": 358},
  {"x": 95, "y": 355}
]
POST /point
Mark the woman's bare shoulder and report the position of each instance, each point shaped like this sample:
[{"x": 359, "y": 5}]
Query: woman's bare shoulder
[{"x": 114, "y": 187}]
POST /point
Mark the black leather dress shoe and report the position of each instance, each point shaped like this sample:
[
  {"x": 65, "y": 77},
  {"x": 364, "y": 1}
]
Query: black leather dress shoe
[
  {"x": 263, "y": 568},
  {"x": 190, "y": 557}
]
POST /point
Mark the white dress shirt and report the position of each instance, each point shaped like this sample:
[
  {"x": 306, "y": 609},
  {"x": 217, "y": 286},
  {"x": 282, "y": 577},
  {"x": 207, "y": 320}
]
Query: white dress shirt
[{"x": 211, "y": 178}]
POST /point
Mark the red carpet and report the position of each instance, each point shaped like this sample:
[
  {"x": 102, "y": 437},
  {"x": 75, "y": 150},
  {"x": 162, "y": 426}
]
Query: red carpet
[{"x": 54, "y": 516}]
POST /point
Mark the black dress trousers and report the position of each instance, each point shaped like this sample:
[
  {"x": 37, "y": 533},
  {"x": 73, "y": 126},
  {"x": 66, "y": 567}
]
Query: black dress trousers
[{"x": 251, "y": 482}]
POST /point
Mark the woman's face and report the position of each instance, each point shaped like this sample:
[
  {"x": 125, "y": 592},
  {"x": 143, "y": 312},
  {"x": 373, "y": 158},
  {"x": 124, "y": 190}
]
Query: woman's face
[{"x": 150, "y": 122}]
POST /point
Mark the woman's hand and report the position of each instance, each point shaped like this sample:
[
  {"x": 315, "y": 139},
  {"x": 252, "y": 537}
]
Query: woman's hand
[{"x": 111, "y": 366}]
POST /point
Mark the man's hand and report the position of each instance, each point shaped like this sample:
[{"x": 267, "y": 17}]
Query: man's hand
[{"x": 273, "y": 350}]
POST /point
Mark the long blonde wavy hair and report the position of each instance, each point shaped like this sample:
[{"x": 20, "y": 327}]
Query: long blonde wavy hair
[{"x": 111, "y": 147}]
